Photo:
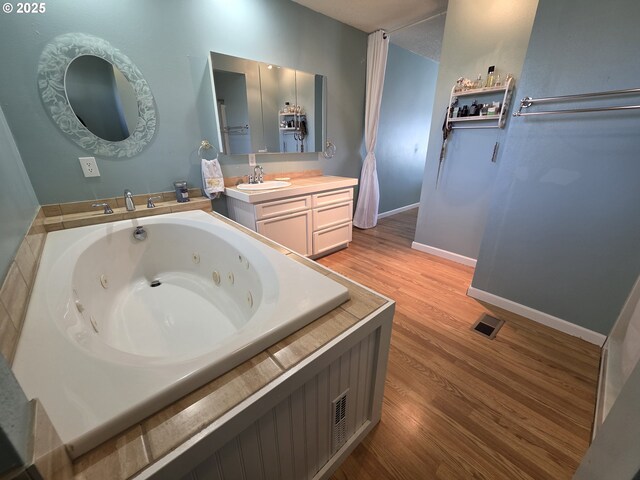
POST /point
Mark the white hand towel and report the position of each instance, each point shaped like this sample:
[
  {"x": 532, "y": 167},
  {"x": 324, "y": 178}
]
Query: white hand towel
[{"x": 212, "y": 179}]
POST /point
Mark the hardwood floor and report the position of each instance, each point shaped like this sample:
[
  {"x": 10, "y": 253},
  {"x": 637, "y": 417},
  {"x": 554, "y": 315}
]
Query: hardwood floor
[{"x": 456, "y": 404}]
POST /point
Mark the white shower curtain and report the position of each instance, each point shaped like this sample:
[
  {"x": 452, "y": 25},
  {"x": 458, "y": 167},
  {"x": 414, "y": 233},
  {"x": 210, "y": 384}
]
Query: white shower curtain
[{"x": 366, "y": 215}]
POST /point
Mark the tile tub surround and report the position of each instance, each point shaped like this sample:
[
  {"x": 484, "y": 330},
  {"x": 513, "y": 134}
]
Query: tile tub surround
[
  {"x": 16, "y": 287},
  {"x": 145, "y": 443},
  {"x": 150, "y": 360},
  {"x": 79, "y": 214}
]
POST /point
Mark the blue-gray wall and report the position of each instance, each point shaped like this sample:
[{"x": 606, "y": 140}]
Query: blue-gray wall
[
  {"x": 477, "y": 34},
  {"x": 403, "y": 132},
  {"x": 170, "y": 42},
  {"x": 15, "y": 419},
  {"x": 18, "y": 206},
  {"x": 563, "y": 235},
  {"x": 18, "y": 203}
]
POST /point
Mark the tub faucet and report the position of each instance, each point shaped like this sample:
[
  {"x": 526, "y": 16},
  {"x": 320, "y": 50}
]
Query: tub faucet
[
  {"x": 140, "y": 234},
  {"x": 128, "y": 201}
]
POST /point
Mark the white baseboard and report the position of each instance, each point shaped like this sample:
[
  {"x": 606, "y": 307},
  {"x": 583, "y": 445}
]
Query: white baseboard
[
  {"x": 398, "y": 210},
  {"x": 538, "y": 316},
  {"x": 444, "y": 254}
]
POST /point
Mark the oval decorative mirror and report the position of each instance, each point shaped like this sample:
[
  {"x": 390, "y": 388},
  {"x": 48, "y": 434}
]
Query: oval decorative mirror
[
  {"x": 96, "y": 95},
  {"x": 101, "y": 97}
]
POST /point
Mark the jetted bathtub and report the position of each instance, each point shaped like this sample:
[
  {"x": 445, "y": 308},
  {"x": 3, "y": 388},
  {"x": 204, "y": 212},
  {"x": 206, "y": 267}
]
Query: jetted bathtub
[{"x": 118, "y": 327}]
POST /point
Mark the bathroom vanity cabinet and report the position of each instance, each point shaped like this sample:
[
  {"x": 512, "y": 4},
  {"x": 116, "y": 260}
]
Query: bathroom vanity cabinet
[{"x": 311, "y": 217}]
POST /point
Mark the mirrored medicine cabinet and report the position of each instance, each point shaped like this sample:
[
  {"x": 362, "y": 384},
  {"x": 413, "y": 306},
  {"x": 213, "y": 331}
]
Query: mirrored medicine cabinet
[{"x": 267, "y": 108}]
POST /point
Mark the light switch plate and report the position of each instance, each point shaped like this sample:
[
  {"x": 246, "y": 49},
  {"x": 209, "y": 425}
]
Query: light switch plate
[
  {"x": 89, "y": 166},
  {"x": 252, "y": 159}
]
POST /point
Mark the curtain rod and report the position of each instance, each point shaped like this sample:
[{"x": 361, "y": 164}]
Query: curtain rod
[{"x": 417, "y": 22}]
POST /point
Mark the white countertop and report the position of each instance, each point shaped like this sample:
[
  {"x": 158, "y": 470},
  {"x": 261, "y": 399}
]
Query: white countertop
[{"x": 299, "y": 186}]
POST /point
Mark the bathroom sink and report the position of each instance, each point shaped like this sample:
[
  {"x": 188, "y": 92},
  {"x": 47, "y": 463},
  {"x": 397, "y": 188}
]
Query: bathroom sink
[{"x": 267, "y": 185}]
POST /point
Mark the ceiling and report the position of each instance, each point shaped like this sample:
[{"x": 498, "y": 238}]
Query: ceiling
[{"x": 417, "y": 25}]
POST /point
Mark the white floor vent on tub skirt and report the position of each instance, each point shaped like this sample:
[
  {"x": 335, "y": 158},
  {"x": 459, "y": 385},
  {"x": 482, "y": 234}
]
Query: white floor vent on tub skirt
[{"x": 339, "y": 425}]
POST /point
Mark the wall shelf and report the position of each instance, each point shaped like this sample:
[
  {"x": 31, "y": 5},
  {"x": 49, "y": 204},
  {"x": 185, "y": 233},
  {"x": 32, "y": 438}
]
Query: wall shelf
[
  {"x": 479, "y": 91},
  {"x": 487, "y": 121},
  {"x": 292, "y": 124},
  {"x": 473, "y": 119}
]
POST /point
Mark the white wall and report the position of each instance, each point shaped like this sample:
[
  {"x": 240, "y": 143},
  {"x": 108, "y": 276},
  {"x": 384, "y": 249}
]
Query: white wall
[{"x": 477, "y": 35}]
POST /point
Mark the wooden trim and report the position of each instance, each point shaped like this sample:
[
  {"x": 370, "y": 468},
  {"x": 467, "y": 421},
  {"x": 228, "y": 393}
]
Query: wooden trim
[
  {"x": 398, "y": 210},
  {"x": 538, "y": 316},
  {"x": 443, "y": 253}
]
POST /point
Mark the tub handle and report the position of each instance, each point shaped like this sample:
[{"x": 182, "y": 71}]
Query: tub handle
[
  {"x": 107, "y": 208},
  {"x": 150, "y": 200}
]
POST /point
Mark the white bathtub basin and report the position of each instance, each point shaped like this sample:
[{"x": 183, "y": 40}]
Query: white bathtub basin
[{"x": 118, "y": 328}]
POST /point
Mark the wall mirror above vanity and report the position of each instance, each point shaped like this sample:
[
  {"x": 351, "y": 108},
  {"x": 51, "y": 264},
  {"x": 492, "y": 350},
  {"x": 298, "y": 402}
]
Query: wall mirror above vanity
[
  {"x": 96, "y": 95},
  {"x": 267, "y": 108}
]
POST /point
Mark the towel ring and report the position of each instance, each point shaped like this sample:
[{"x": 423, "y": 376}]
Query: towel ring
[
  {"x": 206, "y": 145},
  {"x": 329, "y": 150}
]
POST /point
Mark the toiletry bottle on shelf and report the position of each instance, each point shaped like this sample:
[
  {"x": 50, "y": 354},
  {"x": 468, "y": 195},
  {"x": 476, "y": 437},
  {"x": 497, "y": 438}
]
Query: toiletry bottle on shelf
[
  {"x": 490, "y": 79},
  {"x": 498, "y": 81},
  {"x": 478, "y": 83},
  {"x": 453, "y": 108},
  {"x": 473, "y": 109}
]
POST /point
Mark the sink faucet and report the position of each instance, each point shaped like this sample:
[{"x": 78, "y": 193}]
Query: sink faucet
[
  {"x": 128, "y": 201},
  {"x": 258, "y": 174}
]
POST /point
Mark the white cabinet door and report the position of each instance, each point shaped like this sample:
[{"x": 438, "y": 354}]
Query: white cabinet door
[
  {"x": 332, "y": 215},
  {"x": 282, "y": 207},
  {"x": 293, "y": 231},
  {"x": 331, "y": 238},
  {"x": 333, "y": 196}
]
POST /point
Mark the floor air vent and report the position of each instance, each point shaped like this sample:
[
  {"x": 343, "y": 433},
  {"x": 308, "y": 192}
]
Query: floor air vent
[
  {"x": 339, "y": 425},
  {"x": 487, "y": 326}
]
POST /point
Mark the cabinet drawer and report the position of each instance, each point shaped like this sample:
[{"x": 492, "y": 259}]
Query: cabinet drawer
[
  {"x": 282, "y": 207},
  {"x": 332, "y": 237},
  {"x": 335, "y": 196},
  {"x": 332, "y": 215},
  {"x": 293, "y": 231}
]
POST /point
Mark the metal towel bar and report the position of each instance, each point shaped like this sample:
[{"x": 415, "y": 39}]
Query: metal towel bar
[
  {"x": 240, "y": 129},
  {"x": 528, "y": 102}
]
